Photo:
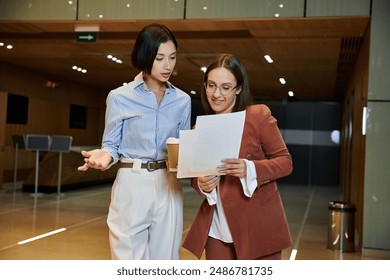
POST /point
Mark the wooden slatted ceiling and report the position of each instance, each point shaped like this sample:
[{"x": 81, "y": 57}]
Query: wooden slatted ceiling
[{"x": 314, "y": 55}]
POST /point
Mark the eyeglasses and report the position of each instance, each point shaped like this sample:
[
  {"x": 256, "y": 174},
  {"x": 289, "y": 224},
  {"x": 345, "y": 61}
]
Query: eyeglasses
[{"x": 224, "y": 89}]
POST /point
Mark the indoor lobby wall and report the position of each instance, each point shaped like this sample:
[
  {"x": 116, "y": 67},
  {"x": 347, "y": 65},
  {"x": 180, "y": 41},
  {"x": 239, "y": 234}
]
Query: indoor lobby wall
[
  {"x": 352, "y": 141},
  {"x": 3, "y": 115},
  {"x": 376, "y": 218},
  {"x": 311, "y": 139},
  {"x": 48, "y": 112}
]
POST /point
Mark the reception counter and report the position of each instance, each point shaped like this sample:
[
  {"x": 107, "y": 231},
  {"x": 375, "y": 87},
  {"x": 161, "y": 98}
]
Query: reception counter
[{"x": 71, "y": 178}]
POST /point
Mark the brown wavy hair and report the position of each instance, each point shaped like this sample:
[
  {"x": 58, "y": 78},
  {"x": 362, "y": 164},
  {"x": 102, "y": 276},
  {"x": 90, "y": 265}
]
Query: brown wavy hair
[{"x": 234, "y": 65}]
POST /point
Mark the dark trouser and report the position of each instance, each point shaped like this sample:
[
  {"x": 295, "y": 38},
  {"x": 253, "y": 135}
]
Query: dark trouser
[{"x": 218, "y": 250}]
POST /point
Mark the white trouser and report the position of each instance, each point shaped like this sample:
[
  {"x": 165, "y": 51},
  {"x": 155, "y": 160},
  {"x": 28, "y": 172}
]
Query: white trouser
[{"x": 145, "y": 217}]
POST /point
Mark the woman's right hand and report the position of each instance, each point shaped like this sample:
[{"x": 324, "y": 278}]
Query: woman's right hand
[
  {"x": 208, "y": 183},
  {"x": 97, "y": 159}
]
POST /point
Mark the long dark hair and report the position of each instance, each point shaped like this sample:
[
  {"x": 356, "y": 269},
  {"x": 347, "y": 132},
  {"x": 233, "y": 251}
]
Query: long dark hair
[
  {"x": 234, "y": 65},
  {"x": 147, "y": 43}
]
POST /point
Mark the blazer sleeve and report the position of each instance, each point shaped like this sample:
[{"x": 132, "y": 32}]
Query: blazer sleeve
[{"x": 275, "y": 160}]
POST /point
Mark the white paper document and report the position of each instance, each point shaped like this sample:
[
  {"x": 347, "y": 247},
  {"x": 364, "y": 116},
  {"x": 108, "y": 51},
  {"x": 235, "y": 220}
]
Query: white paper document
[{"x": 215, "y": 138}]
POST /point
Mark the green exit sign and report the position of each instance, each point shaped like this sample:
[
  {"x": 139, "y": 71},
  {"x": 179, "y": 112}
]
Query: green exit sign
[{"x": 86, "y": 37}]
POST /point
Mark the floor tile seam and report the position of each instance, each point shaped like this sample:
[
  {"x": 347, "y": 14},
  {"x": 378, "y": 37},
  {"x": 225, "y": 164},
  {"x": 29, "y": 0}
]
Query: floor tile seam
[{"x": 303, "y": 222}]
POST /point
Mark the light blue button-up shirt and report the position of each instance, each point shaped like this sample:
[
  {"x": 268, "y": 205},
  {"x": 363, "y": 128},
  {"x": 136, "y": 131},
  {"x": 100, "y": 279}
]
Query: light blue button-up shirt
[{"x": 137, "y": 126}]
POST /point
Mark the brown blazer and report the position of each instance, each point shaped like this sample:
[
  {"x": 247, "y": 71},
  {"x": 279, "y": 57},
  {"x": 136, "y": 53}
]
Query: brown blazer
[{"x": 258, "y": 224}]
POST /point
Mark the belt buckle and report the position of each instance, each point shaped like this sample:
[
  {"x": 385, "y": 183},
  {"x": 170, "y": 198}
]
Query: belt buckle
[{"x": 149, "y": 167}]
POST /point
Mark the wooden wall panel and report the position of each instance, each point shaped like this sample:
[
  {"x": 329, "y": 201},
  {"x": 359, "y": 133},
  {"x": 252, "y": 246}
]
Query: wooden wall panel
[
  {"x": 3, "y": 106},
  {"x": 49, "y": 111},
  {"x": 353, "y": 143}
]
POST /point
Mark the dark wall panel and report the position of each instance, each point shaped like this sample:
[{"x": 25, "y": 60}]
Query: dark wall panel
[
  {"x": 325, "y": 170},
  {"x": 307, "y": 127},
  {"x": 301, "y": 165}
]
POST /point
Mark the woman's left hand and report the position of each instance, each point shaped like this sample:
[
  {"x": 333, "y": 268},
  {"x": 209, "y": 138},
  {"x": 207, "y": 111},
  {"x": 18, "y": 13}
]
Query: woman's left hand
[
  {"x": 233, "y": 167},
  {"x": 208, "y": 183}
]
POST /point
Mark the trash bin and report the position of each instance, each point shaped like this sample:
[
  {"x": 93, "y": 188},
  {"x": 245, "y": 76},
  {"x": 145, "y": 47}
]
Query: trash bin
[{"x": 341, "y": 228}]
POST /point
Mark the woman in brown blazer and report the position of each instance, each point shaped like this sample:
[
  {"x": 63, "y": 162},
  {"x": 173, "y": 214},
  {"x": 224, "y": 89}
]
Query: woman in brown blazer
[{"x": 242, "y": 216}]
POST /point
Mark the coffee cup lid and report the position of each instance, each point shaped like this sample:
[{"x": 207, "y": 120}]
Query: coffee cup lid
[{"x": 172, "y": 140}]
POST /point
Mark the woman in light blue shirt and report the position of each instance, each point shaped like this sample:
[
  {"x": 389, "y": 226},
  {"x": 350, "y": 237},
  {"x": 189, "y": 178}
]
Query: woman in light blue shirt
[{"x": 145, "y": 216}]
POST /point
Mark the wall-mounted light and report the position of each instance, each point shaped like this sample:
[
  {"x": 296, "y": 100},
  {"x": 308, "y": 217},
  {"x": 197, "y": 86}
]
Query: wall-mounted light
[
  {"x": 282, "y": 81},
  {"x": 364, "y": 121},
  {"x": 51, "y": 84},
  {"x": 87, "y": 28},
  {"x": 335, "y": 136}
]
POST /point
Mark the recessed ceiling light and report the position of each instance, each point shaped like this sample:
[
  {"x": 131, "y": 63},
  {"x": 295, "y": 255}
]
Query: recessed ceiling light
[
  {"x": 268, "y": 58},
  {"x": 79, "y": 69},
  {"x": 115, "y": 59}
]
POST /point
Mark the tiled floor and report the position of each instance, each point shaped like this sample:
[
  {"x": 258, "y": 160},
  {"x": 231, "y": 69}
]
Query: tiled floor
[{"x": 80, "y": 218}]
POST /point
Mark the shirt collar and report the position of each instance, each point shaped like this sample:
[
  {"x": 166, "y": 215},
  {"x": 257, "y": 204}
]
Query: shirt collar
[{"x": 140, "y": 83}]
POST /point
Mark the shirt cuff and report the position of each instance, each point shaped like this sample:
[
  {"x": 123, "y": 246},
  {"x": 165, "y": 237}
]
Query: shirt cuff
[
  {"x": 211, "y": 197},
  {"x": 249, "y": 183},
  {"x": 113, "y": 159}
]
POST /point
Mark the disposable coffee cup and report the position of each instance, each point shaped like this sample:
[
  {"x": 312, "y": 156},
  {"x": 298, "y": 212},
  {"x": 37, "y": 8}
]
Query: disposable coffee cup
[{"x": 173, "y": 153}]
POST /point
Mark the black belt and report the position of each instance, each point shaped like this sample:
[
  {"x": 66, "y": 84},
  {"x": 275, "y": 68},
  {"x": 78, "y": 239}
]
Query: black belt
[{"x": 150, "y": 165}]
